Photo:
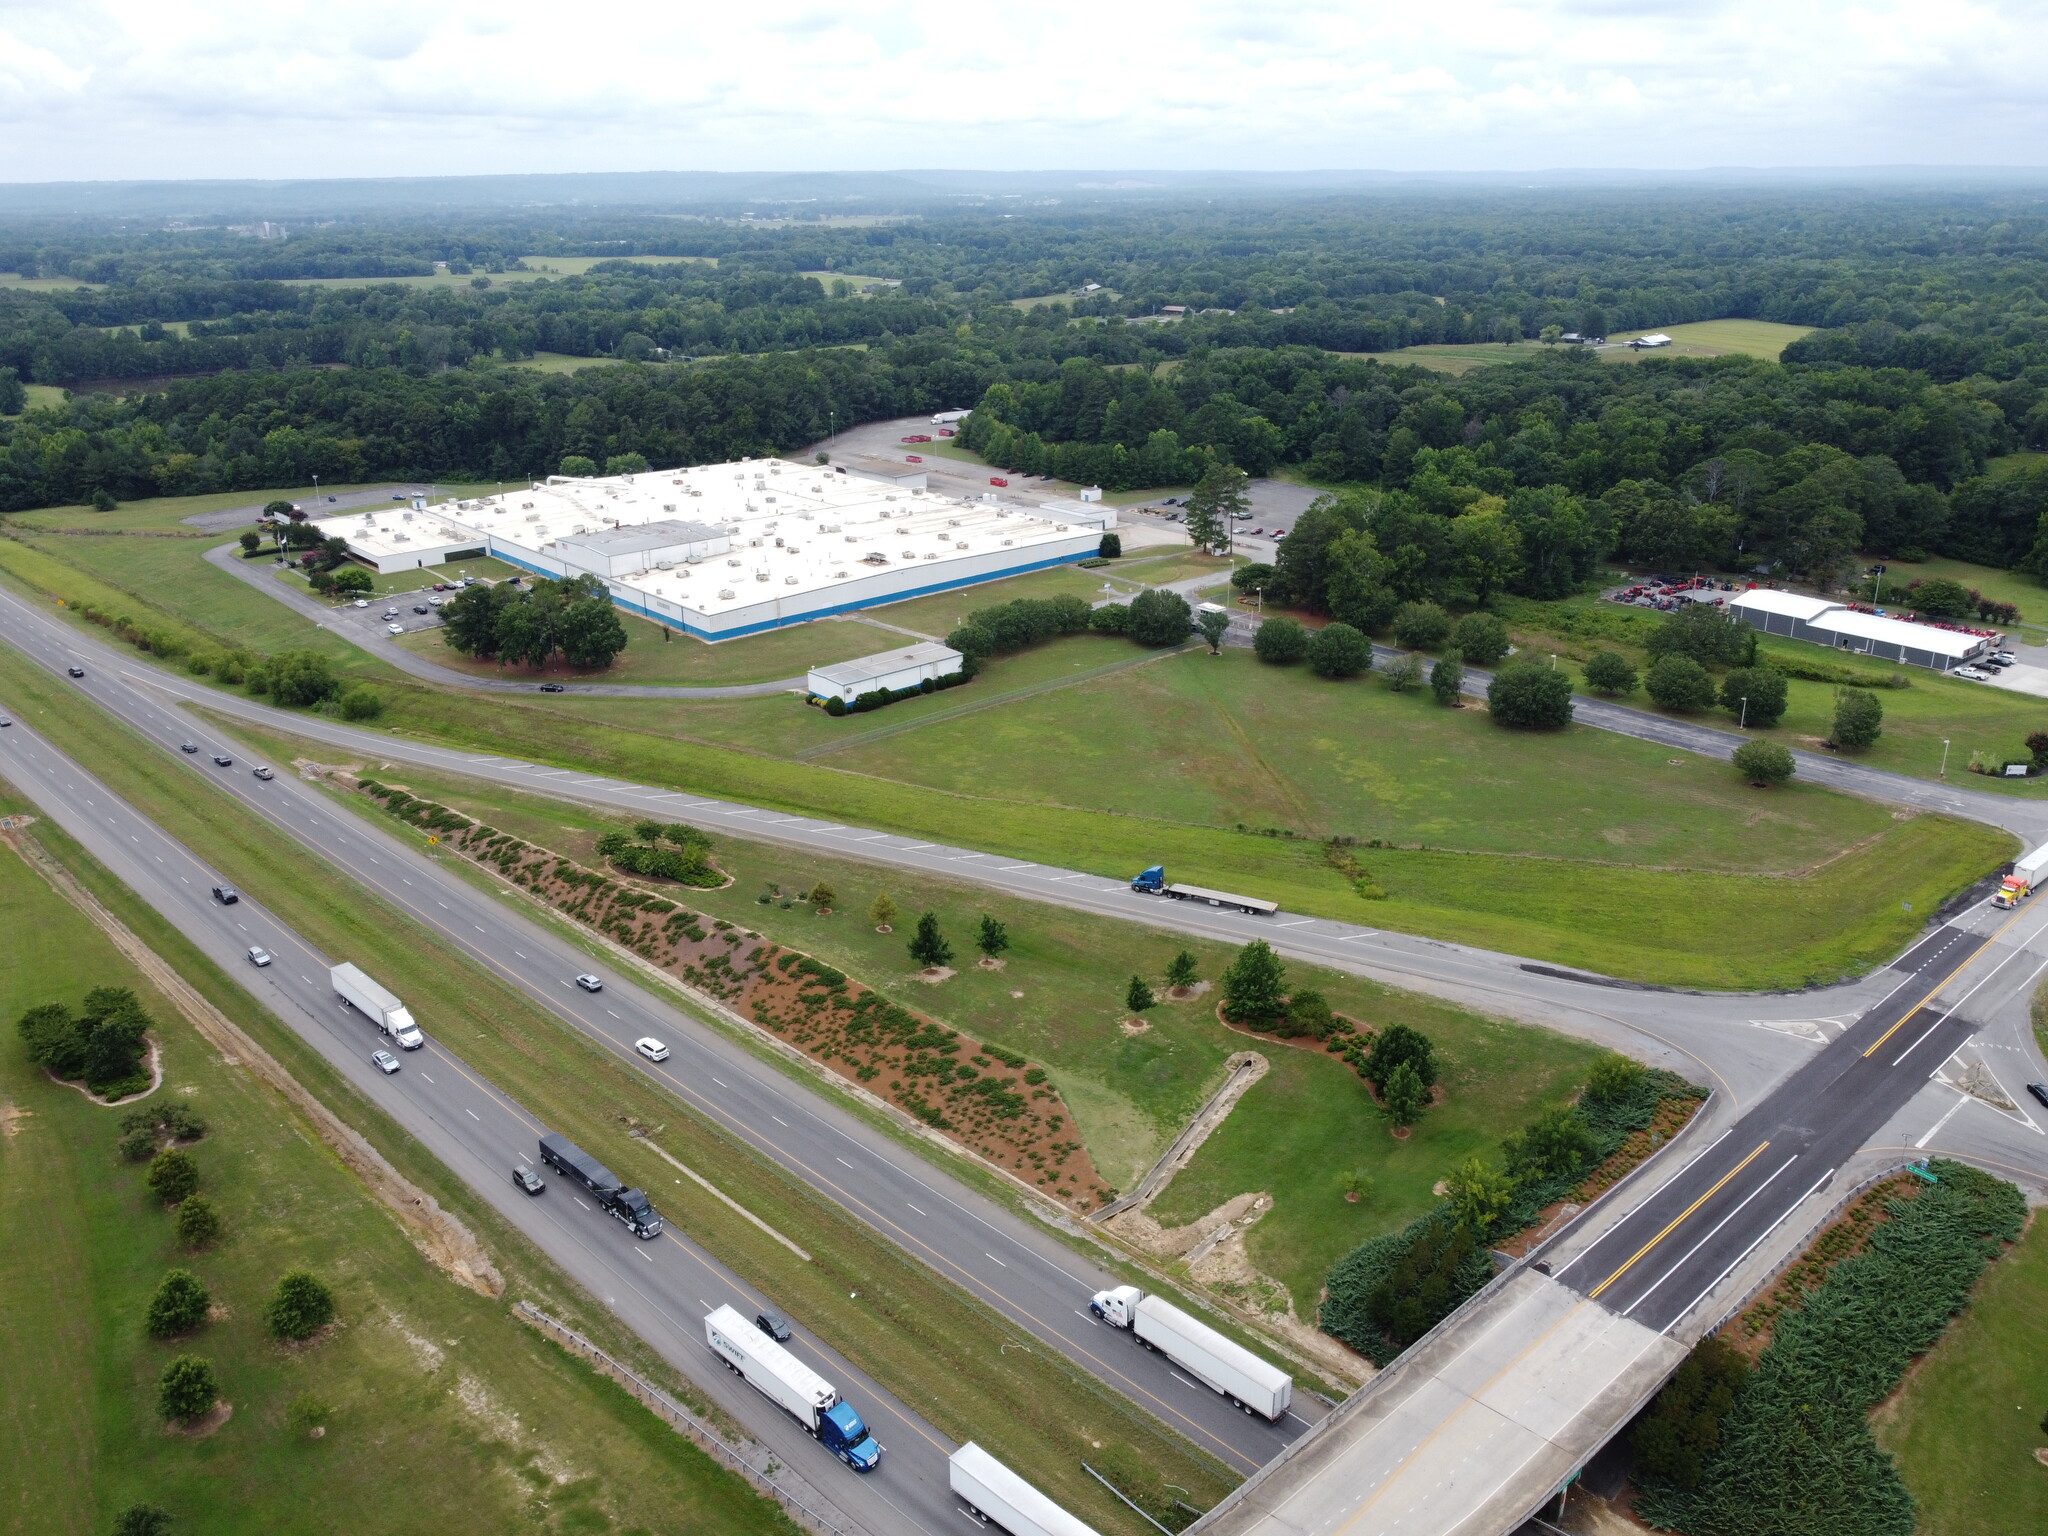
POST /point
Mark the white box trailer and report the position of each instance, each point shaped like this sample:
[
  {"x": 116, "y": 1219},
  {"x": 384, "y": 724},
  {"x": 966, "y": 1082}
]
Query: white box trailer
[
  {"x": 384, "y": 1008},
  {"x": 997, "y": 1494},
  {"x": 793, "y": 1387},
  {"x": 2028, "y": 875},
  {"x": 1218, "y": 1363}
]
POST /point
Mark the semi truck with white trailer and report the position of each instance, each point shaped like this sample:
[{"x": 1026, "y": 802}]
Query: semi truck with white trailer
[
  {"x": 2027, "y": 877},
  {"x": 630, "y": 1206},
  {"x": 1152, "y": 882},
  {"x": 1218, "y": 1363},
  {"x": 999, "y": 1496},
  {"x": 383, "y": 1008},
  {"x": 793, "y": 1387}
]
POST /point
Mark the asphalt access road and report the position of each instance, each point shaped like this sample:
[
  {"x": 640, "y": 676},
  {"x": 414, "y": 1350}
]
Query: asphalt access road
[
  {"x": 322, "y": 505},
  {"x": 364, "y": 628},
  {"x": 1004, "y": 1259},
  {"x": 660, "y": 1288},
  {"x": 1661, "y": 1260}
]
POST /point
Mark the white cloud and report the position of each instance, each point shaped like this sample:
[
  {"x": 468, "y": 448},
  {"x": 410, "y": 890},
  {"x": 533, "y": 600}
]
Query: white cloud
[{"x": 120, "y": 88}]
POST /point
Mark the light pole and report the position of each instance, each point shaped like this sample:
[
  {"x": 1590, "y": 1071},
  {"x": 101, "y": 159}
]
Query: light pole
[
  {"x": 1944, "y": 759},
  {"x": 1743, "y": 724}
]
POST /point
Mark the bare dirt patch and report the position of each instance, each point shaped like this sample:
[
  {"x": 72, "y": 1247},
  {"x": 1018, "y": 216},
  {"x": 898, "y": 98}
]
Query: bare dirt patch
[
  {"x": 932, "y": 975},
  {"x": 205, "y": 1424}
]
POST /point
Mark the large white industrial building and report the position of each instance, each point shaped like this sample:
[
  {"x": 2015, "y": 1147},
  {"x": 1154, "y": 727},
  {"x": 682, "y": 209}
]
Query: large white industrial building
[{"x": 723, "y": 550}]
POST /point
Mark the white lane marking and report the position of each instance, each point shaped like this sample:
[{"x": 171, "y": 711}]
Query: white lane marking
[
  {"x": 1086, "y": 1318},
  {"x": 1009, "y": 868},
  {"x": 424, "y": 1075},
  {"x": 1909, "y": 1050},
  {"x": 1670, "y": 1183},
  {"x": 779, "y": 1121},
  {"x": 1298, "y": 922},
  {"x": 479, "y": 1119},
  {"x": 1176, "y": 1375},
  {"x": 1961, "y": 1100},
  {"x": 477, "y": 926},
  {"x": 520, "y": 953},
  {"x": 1696, "y": 1247},
  {"x": 1752, "y": 1248},
  {"x": 719, "y": 1081},
  {"x": 614, "y": 1015},
  {"x": 842, "y": 1162},
  {"x": 992, "y": 1258},
  {"x": 579, "y": 1202},
  {"x": 914, "y": 1208}
]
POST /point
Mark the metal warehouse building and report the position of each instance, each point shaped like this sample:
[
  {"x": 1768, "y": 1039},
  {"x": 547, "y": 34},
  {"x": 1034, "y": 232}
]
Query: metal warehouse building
[
  {"x": 723, "y": 550},
  {"x": 894, "y": 670},
  {"x": 1869, "y": 634}
]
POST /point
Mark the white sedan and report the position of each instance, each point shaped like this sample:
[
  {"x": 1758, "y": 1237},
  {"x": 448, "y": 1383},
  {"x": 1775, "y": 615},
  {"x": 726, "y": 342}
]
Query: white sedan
[
  {"x": 396, "y": 629},
  {"x": 651, "y": 1048}
]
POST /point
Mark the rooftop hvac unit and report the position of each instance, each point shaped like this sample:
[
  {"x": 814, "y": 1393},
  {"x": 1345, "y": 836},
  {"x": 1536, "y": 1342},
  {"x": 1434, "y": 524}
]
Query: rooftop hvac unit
[
  {"x": 853, "y": 538},
  {"x": 930, "y": 556},
  {"x": 668, "y": 506},
  {"x": 664, "y": 565},
  {"x": 696, "y": 493},
  {"x": 532, "y": 517},
  {"x": 840, "y": 575},
  {"x": 725, "y": 593},
  {"x": 760, "y": 575},
  {"x": 526, "y": 505},
  {"x": 952, "y": 522},
  {"x": 769, "y": 499},
  {"x": 1008, "y": 542},
  {"x": 789, "y": 581},
  {"x": 960, "y": 544},
  {"x": 732, "y": 562}
]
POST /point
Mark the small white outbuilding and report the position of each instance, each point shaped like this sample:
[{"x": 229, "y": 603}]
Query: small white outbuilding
[{"x": 893, "y": 670}]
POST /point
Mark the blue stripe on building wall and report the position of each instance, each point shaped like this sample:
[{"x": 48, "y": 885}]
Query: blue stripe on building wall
[{"x": 671, "y": 622}]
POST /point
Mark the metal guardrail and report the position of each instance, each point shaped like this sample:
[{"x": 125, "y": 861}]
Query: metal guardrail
[{"x": 685, "y": 1422}]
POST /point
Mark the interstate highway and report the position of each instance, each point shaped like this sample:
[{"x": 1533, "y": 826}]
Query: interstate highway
[
  {"x": 660, "y": 1288},
  {"x": 1001, "y": 1257}
]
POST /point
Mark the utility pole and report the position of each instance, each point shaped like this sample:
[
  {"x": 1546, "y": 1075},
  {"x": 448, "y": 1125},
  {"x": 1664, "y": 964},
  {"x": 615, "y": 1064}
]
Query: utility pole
[{"x": 1944, "y": 759}]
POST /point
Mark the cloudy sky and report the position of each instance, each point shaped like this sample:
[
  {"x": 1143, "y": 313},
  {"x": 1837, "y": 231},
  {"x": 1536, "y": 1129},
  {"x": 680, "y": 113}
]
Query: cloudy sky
[{"x": 93, "y": 89}]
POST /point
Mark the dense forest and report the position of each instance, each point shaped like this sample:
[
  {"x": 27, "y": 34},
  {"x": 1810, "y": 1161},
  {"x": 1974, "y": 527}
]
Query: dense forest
[{"x": 1872, "y": 434}]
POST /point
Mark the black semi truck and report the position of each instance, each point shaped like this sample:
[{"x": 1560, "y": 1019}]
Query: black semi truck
[{"x": 628, "y": 1205}]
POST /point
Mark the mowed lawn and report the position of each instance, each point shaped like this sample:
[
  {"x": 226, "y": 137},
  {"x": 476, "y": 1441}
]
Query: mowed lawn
[
  {"x": 1965, "y": 1427},
  {"x": 446, "y": 1414},
  {"x": 649, "y": 658},
  {"x": 1715, "y": 338},
  {"x": 1225, "y": 740}
]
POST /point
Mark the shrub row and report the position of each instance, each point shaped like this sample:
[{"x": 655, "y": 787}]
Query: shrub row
[{"x": 877, "y": 698}]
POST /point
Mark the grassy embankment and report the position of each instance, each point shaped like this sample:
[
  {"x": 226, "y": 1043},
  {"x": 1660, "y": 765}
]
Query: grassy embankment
[
  {"x": 1183, "y": 760},
  {"x": 444, "y": 1412},
  {"x": 1965, "y": 1426},
  {"x": 964, "y": 1368},
  {"x": 1129, "y": 1093}
]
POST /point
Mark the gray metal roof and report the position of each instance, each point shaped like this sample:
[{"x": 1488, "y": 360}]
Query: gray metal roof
[
  {"x": 632, "y": 541},
  {"x": 865, "y": 669}
]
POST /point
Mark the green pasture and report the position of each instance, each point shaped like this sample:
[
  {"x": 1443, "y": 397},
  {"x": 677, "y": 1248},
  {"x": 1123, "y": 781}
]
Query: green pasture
[
  {"x": 577, "y": 266},
  {"x": 443, "y": 1412},
  {"x": 1715, "y": 338},
  {"x": 2014, "y": 463},
  {"x": 1966, "y": 1425},
  {"x": 648, "y": 658}
]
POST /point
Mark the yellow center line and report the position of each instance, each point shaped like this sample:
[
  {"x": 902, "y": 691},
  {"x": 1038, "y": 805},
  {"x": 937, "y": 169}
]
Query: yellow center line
[
  {"x": 1673, "y": 1225},
  {"x": 1951, "y": 976}
]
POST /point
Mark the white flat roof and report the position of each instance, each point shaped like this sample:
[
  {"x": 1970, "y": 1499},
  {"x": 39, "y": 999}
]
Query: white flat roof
[
  {"x": 797, "y": 530},
  {"x": 1918, "y": 637},
  {"x": 1790, "y": 605},
  {"x": 382, "y": 533},
  {"x": 865, "y": 669}
]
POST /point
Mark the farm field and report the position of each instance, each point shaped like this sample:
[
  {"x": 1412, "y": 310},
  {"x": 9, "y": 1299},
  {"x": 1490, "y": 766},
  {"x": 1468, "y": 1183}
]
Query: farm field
[
  {"x": 577, "y": 266},
  {"x": 1965, "y": 1426},
  {"x": 2014, "y": 463},
  {"x": 562, "y": 362},
  {"x": 161, "y": 514},
  {"x": 421, "y": 1379},
  {"x": 775, "y": 653},
  {"x": 1715, "y": 338},
  {"x": 911, "y": 1329},
  {"x": 1129, "y": 1092},
  {"x": 42, "y": 397}
]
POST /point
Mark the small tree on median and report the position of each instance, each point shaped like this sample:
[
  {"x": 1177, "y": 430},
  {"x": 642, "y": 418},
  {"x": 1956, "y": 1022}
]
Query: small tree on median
[
  {"x": 178, "y": 1306},
  {"x": 1608, "y": 672},
  {"x": 187, "y": 1387},
  {"x": 1403, "y": 1095},
  {"x": 882, "y": 910},
  {"x": 1138, "y": 996},
  {"x": 1180, "y": 970},
  {"x": 1159, "y": 617},
  {"x": 1859, "y": 720},
  {"x": 1213, "y": 626},
  {"x": 1281, "y": 641},
  {"x": 1403, "y": 673},
  {"x": 1338, "y": 650},
  {"x": 143, "y": 1520},
  {"x": 1756, "y": 696},
  {"x": 1763, "y": 763},
  {"x": 1395, "y": 1044},
  {"x": 1421, "y": 626},
  {"x": 1530, "y": 697},
  {"x": 1680, "y": 684},
  {"x": 300, "y": 1306},
  {"x": 1255, "y": 986},
  {"x": 1480, "y": 638},
  {"x": 1479, "y": 1194},
  {"x": 1447, "y": 680},
  {"x": 198, "y": 1223},
  {"x": 172, "y": 1175},
  {"x": 928, "y": 947},
  {"x": 992, "y": 938},
  {"x": 251, "y": 542}
]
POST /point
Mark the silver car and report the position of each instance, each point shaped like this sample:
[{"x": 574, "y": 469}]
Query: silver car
[
  {"x": 258, "y": 955},
  {"x": 384, "y": 1061}
]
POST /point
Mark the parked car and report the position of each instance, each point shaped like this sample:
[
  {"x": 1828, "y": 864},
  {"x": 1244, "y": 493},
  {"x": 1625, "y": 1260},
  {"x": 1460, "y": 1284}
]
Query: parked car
[
  {"x": 75, "y": 671},
  {"x": 226, "y": 895},
  {"x": 5, "y": 721},
  {"x": 551, "y": 688},
  {"x": 2005, "y": 658},
  {"x": 912, "y": 458},
  {"x": 589, "y": 983},
  {"x": 918, "y": 437},
  {"x": 396, "y": 629},
  {"x": 385, "y": 1062},
  {"x": 1974, "y": 674},
  {"x": 258, "y": 955},
  {"x": 222, "y": 760},
  {"x": 527, "y": 1179},
  {"x": 651, "y": 1048},
  {"x": 390, "y": 613},
  {"x": 190, "y": 746},
  {"x": 997, "y": 480},
  {"x": 265, "y": 773},
  {"x": 419, "y": 607},
  {"x": 774, "y": 1324}
]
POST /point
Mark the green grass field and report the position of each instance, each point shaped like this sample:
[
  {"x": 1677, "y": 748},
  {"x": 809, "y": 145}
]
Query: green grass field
[
  {"x": 2014, "y": 463},
  {"x": 446, "y": 1413},
  {"x": 577, "y": 266},
  {"x": 563, "y": 362},
  {"x": 42, "y": 397},
  {"x": 1965, "y": 1427},
  {"x": 969, "y": 1372},
  {"x": 1715, "y": 338},
  {"x": 43, "y": 284},
  {"x": 1129, "y": 1094},
  {"x": 775, "y": 653}
]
